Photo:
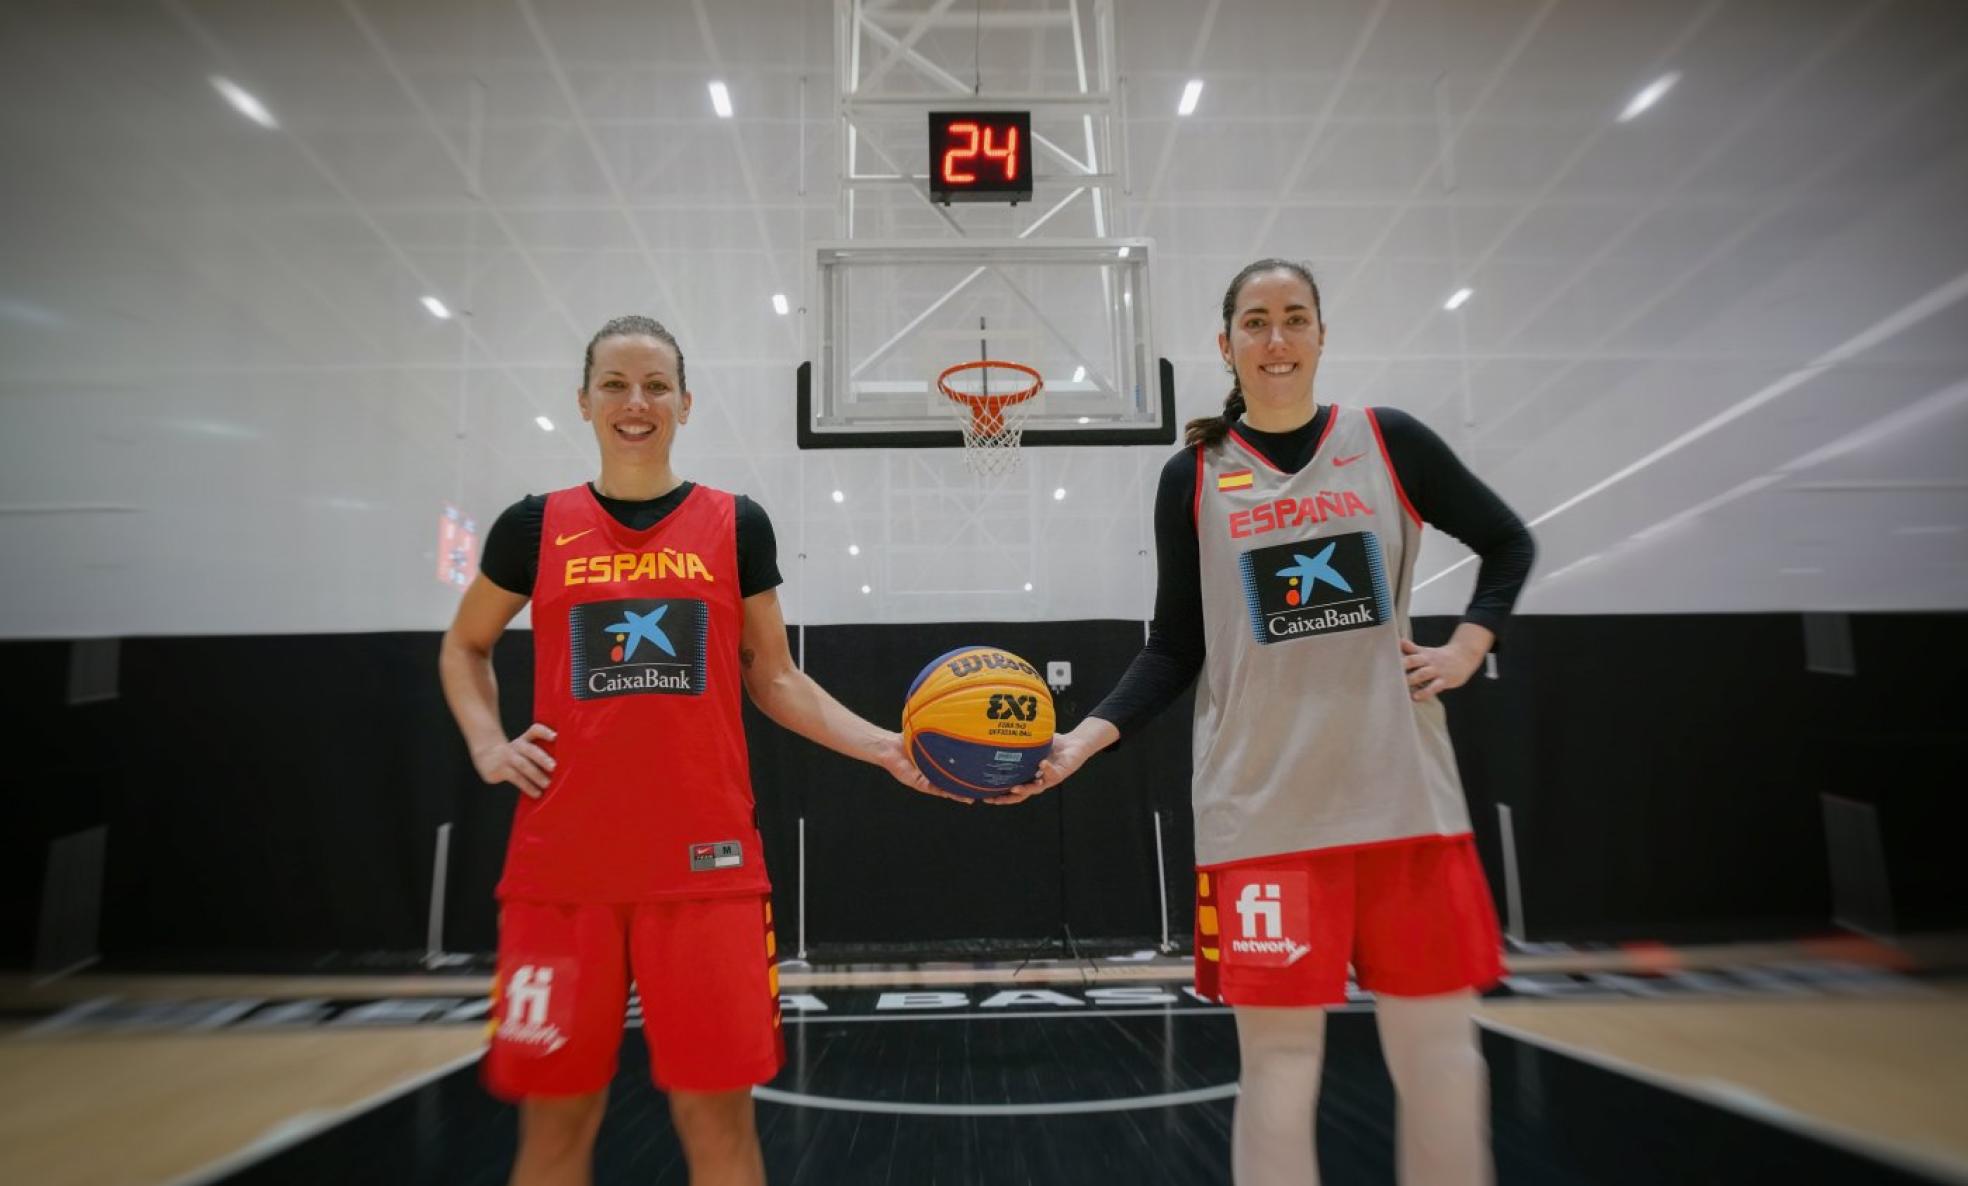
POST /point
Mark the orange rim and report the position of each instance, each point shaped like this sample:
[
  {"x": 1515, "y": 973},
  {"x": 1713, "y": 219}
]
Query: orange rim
[{"x": 987, "y": 411}]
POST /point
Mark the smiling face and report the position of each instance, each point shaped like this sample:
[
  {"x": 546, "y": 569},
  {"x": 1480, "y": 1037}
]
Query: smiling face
[
  {"x": 1273, "y": 341},
  {"x": 634, "y": 398}
]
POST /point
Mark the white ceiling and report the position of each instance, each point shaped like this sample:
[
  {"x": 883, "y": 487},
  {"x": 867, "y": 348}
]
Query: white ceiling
[{"x": 1718, "y": 353}]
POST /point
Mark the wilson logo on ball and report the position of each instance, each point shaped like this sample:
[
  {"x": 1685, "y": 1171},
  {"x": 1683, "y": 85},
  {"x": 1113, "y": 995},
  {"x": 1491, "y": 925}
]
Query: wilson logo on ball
[{"x": 970, "y": 661}]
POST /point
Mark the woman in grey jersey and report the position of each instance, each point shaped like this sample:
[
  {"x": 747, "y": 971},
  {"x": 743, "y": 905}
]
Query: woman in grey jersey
[{"x": 1331, "y": 827}]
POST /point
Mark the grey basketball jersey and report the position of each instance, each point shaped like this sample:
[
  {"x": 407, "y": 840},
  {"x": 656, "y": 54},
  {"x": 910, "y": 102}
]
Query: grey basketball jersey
[{"x": 1305, "y": 737}]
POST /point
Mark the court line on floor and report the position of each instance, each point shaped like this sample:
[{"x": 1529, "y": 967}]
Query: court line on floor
[
  {"x": 828, "y": 1103},
  {"x": 1732, "y": 1097},
  {"x": 295, "y": 1129},
  {"x": 1045, "y": 1015},
  {"x": 816, "y": 1018}
]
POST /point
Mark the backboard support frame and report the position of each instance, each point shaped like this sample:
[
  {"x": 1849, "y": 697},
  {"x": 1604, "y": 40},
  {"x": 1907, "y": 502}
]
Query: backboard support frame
[
  {"x": 1162, "y": 433},
  {"x": 869, "y": 383}
]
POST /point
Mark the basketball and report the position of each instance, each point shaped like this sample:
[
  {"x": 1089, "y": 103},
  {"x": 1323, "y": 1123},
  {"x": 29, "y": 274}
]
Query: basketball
[{"x": 978, "y": 721}]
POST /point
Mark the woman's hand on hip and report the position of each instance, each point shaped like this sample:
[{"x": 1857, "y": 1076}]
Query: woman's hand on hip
[
  {"x": 519, "y": 761},
  {"x": 1434, "y": 670}
]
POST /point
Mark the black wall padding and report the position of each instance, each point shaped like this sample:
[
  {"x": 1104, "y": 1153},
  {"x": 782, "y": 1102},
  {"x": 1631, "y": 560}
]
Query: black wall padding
[
  {"x": 1665, "y": 772},
  {"x": 886, "y": 865},
  {"x": 1894, "y": 736},
  {"x": 63, "y": 770},
  {"x": 270, "y": 795},
  {"x": 279, "y": 794}
]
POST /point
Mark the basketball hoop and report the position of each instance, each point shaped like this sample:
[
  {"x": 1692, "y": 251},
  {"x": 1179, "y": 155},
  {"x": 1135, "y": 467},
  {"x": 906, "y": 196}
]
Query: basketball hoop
[{"x": 992, "y": 422}]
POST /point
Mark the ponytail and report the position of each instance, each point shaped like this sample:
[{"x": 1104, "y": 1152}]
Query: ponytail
[{"x": 1209, "y": 431}]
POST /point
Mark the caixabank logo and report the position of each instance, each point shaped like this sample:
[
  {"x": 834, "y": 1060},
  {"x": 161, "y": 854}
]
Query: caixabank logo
[
  {"x": 1318, "y": 586},
  {"x": 638, "y": 647}
]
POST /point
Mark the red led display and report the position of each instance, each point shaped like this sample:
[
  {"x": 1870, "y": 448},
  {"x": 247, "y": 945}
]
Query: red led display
[{"x": 980, "y": 156}]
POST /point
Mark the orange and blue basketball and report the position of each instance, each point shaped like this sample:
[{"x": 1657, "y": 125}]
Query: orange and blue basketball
[{"x": 978, "y": 721}]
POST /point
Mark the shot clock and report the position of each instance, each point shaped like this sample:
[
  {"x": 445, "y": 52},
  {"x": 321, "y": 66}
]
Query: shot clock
[{"x": 980, "y": 156}]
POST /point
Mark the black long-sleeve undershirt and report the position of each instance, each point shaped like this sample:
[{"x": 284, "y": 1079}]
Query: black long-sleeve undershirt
[
  {"x": 1442, "y": 490},
  {"x": 512, "y": 547}
]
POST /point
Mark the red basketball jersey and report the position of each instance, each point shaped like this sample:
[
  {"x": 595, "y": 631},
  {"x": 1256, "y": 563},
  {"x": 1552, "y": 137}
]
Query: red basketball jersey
[{"x": 635, "y": 652}]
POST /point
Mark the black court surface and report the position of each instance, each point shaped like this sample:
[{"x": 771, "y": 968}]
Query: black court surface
[{"x": 1036, "y": 1097}]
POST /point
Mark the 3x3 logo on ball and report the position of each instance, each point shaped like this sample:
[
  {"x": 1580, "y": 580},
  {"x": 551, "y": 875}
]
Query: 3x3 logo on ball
[
  {"x": 638, "y": 646},
  {"x": 1005, "y": 706},
  {"x": 1325, "y": 585}
]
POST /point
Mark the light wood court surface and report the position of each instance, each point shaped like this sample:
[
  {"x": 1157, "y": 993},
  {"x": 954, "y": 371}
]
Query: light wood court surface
[
  {"x": 23, "y": 992},
  {"x": 95, "y": 1110},
  {"x": 1885, "y": 1076}
]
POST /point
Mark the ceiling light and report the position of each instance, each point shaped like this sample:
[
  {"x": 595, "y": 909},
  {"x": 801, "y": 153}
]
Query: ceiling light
[
  {"x": 839, "y": 497},
  {"x": 721, "y": 100},
  {"x": 1649, "y": 95},
  {"x": 437, "y": 308},
  {"x": 779, "y": 304},
  {"x": 1028, "y": 586},
  {"x": 1086, "y": 420},
  {"x": 1059, "y": 495},
  {"x": 545, "y": 424},
  {"x": 867, "y": 589},
  {"x": 854, "y": 549},
  {"x": 243, "y": 102},
  {"x": 1460, "y": 299},
  {"x": 1079, "y": 374},
  {"x": 1190, "y": 94}
]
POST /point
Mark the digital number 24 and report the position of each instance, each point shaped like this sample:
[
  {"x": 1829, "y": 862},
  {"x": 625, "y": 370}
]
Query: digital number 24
[{"x": 982, "y": 141}]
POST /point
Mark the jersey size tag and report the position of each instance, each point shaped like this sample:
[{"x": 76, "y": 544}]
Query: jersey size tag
[
  {"x": 1326, "y": 585},
  {"x": 638, "y": 646},
  {"x": 721, "y": 854}
]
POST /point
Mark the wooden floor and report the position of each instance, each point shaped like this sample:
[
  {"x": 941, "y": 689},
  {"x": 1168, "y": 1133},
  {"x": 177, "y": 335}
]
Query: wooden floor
[
  {"x": 1887, "y": 1075},
  {"x": 1882, "y": 1073},
  {"x": 1917, "y": 951},
  {"x": 93, "y": 1109}
]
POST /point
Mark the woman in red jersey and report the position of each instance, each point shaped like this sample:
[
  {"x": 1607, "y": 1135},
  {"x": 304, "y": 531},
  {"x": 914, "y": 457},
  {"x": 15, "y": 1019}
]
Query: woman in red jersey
[
  {"x": 634, "y": 852},
  {"x": 1331, "y": 827}
]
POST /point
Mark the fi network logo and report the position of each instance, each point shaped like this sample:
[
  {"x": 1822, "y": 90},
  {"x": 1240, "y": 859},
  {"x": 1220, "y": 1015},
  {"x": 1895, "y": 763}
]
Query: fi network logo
[
  {"x": 529, "y": 996},
  {"x": 1271, "y": 918},
  {"x": 530, "y": 1019},
  {"x": 1261, "y": 909},
  {"x": 1325, "y": 585}
]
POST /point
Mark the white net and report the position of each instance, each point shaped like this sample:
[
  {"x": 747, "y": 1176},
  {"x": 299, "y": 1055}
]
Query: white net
[{"x": 992, "y": 402}]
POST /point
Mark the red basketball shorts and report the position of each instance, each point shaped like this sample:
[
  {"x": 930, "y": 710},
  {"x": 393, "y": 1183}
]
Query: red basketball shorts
[
  {"x": 704, "y": 968},
  {"x": 1413, "y": 917}
]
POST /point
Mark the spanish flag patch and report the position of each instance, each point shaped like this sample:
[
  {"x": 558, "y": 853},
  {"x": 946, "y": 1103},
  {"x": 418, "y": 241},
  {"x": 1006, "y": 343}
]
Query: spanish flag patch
[{"x": 1236, "y": 479}]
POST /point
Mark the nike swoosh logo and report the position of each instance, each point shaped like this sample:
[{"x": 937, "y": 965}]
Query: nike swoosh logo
[
  {"x": 1348, "y": 460},
  {"x": 568, "y": 539}
]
